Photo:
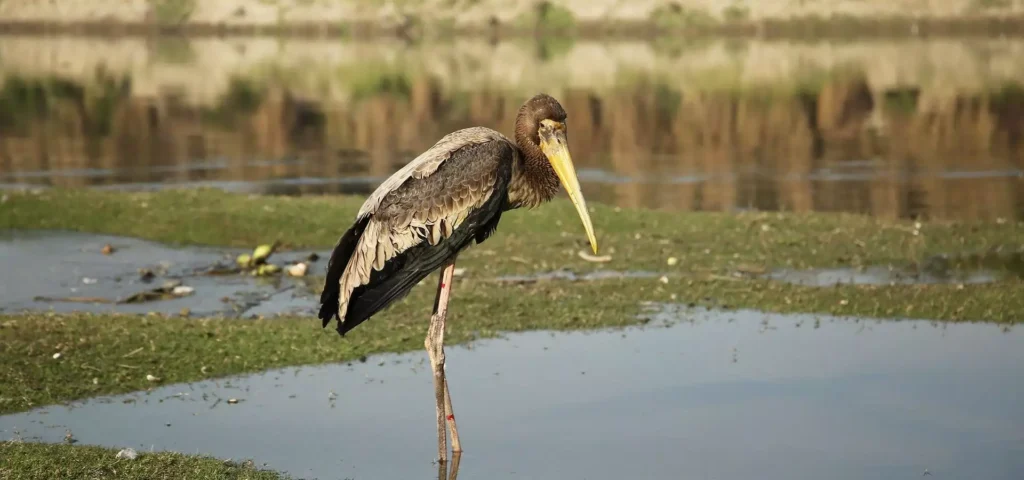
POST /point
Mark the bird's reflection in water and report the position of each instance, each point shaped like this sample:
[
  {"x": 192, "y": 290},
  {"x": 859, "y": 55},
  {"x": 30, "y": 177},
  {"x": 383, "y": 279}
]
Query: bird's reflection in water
[{"x": 442, "y": 470}]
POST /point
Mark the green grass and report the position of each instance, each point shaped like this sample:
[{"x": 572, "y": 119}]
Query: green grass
[
  {"x": 113, "y": 354},
  {"x": 527, "y": 241},
  {"x": 106, "y": 354},
  {"x": 110, "y": 354},
  {"x": 33, "y": 461}
]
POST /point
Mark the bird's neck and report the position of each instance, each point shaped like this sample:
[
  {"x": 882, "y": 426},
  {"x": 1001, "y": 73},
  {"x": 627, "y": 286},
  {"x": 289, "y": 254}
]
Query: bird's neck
[{"x": 533, "y": 180}]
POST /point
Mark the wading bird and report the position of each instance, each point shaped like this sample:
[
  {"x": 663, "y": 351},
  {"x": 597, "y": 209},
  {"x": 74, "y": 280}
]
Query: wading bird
[{"x": 420, "y": 218}]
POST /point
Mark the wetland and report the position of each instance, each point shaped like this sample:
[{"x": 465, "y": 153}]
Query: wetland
[{"x": 814, "y": 259}]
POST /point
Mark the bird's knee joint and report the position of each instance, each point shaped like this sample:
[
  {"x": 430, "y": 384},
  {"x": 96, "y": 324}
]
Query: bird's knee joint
[{"x": 438, "y": 360}]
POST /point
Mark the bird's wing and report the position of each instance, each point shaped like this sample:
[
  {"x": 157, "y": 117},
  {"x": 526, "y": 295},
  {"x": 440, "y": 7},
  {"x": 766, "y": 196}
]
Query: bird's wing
[
  {"x": 427, "y": 209},
  {"x": 428, "y": 162}
]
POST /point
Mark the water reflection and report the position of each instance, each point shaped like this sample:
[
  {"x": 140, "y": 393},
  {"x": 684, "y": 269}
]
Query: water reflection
[
  {"x": 895, "y": 128},
  {"x": 735, "y": 395}
]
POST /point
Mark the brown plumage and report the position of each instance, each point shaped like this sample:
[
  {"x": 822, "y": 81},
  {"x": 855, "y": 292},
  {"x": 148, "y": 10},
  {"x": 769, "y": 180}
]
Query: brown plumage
[
  {"x": 421, "y": 217},
  {"x": 432, "y": 208}
]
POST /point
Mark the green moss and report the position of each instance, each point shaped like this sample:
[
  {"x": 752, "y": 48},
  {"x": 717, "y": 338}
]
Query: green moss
[
  {"x": 172, "y": 12},
  {"x": 32, "y": 461}
]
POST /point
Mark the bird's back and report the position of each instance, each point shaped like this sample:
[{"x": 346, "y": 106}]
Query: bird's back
[{"x": 417, "y": 221}]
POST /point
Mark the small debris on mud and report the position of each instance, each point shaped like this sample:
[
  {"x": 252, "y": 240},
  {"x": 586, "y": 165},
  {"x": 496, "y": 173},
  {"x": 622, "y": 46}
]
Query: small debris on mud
[
  {"x": 107, "y": 249},
  {"x": 151, "y": 378},
  {"x": 127, "y": 454},
  {"x": 266, "y": 270},
  {"x": 232, "y": 401},
  {"x": 170, "y": 289},
  {"x": 146, "y": 275},
  {"x": 313, "y": 257},
  {"x": 594, "y": 258},
  {"x": 298, "y": 269},
  {"x": 263, "y": 252}
]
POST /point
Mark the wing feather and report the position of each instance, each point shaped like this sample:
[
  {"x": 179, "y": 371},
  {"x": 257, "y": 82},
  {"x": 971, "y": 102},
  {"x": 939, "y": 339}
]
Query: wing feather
[
  {"x": 424, "y": 165},
  {"x": 426, "y": 209}
]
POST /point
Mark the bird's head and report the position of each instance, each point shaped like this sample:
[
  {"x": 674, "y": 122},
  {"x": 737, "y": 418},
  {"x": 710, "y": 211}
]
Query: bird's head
[{"x": 541, "y": 122}]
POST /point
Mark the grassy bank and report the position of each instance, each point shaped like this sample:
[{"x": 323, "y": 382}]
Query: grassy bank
[
  {"x": 33, "y": 461},
  {"x": 114, "y": 354},
  {"x": 543, "y": 239},
  {"x": 110, "y": 354}
]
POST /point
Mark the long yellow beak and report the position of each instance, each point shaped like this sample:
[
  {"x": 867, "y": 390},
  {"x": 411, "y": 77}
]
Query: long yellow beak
[{"x": 556, "y": 148}]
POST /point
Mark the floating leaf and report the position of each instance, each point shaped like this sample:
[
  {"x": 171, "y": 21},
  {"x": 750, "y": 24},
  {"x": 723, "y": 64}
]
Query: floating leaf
[{"x": 244, "y": 259}]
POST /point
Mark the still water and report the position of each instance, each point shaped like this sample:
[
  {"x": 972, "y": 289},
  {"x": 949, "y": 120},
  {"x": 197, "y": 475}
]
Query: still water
[
  {"x": 737, "y": 395},
  {"x": 894, "y": 128},
  {"x": 62, "y": 271}
]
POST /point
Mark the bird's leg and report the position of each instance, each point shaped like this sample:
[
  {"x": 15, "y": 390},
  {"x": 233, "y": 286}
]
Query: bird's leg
[
  {"x": 450, "y": 416},
  {"x": 444, "y": 292},
  {"x": 454, "y": 475},
  {"x": 442, "y": 468},
  {"x": 435, "y": 366},
  {"x": 435, "y": 349}
]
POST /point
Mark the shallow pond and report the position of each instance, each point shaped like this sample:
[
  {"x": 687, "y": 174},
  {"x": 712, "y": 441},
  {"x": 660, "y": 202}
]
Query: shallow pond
[
  {"x": 67, "y": 271},
  {"x": 695, "y": 394}
]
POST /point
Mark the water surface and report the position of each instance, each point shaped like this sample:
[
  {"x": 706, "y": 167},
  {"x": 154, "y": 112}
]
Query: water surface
[
  {"x": 65, "y": 271},
  {"x": 735, "y": 395},
  {"x": 892, "y": 128}
]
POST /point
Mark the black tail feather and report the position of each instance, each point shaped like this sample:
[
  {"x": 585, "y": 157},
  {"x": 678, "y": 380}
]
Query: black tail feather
[
  {"x": 335, "y": 267},
  {"x": 404, "y": 271}
]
